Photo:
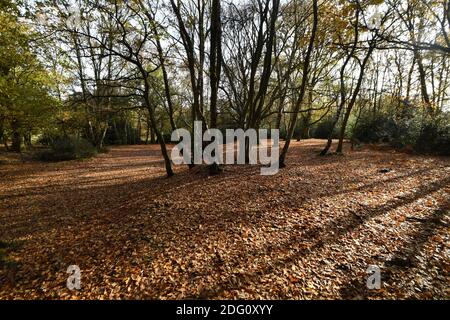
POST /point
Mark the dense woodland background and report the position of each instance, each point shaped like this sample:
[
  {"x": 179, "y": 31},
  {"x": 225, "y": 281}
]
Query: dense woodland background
[{"x": 76, "y": 76}]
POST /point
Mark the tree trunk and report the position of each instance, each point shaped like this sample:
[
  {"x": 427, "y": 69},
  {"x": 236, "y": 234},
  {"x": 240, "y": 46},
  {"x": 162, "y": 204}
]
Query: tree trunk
[
  {"x": 125, "y": 128},
  {"x": 279, "y": 116},
  {"x": 409, "y": 82},
  {"x": 166, "y": 80},
  {"x": 153, "y": 137},
  {"x": 147, "y": 134},
  {"x": 102, "y": 140},
  {"x": 423, "y": 81},
  {"x": 215, "y": 59},
  {"x": 343, "y": 87},
  {"x": 27, "y": 139},
  {"x": 354, "y": 97},
  {"x": 305, "y": 131},
  {"x": 215, "y": 68},
  {"x": 2, "y": 129},
  {"x": 299, "y": 102},
  {"x": 151, "y": 111},
  {"x": 16, "y": 137}
]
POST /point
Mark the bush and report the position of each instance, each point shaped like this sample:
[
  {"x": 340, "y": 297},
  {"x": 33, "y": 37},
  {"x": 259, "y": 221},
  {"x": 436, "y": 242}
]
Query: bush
[
  {"x": 421, "y": 132},
  {"x": 322, "y": 129},
  {"x": 375, "y": 129},
  {"x": 45, "y": 140},
  {"x": 67, "y": 148},
  {"x": 407, "y": 131},
  {"x": 434, "y": 137}
]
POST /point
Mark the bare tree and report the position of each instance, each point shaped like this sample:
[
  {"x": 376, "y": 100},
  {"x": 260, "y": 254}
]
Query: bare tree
[{"x": 301, "y": 96}]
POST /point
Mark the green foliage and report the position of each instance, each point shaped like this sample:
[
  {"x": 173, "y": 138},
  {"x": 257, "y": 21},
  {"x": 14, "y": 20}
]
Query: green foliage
[
  {"x": 435, "y": 137},
  {"x": 378, "y": 128},
  {"x": 26, "y": 103},
  {"x": 122, "y": 131},
  {"x": 323, "y": 128},
  {"x": 66, "y": 148},
  {"x": 414, "y": 130}
]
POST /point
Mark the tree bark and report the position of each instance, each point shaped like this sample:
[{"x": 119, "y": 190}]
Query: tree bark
[
  {"x": 151, "y": 111},
  {"x": 16, "y": 137},
  {"x": 299, "y": 101},
  {"x": 423, "y": 81},
  {"x": 354, "y": 97},
  {"x": 215, "y": 59},
  {"x": 167, "y": 89},
  {"x": 343, "y": 87}
]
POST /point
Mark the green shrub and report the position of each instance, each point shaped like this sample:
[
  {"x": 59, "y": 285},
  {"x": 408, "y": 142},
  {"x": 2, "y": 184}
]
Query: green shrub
[
  {"x": 322, "y": 129},
  {"x": 434, "y": 137},
  {"x": 425, "y": 134},
  {"x": 67, "y": 148},
  {"x": 375, "y": 129},
  {"x": 407, "y": 131},
  {"x": 44, "y": 140}
]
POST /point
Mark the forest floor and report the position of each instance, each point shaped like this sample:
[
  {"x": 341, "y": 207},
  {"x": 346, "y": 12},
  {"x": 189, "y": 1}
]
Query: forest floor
[{"x": 310, "y": 232}]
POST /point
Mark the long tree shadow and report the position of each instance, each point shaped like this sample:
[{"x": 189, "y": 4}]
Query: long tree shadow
[
  {"x": 369, "y": 186},
  {"x": 317, "y": 237},
  {"x": 76, "y": 223},
  {"x": 405, "y": 258}
]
